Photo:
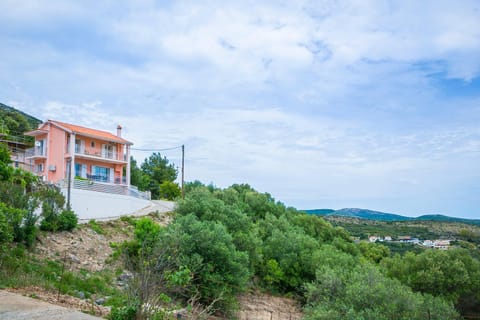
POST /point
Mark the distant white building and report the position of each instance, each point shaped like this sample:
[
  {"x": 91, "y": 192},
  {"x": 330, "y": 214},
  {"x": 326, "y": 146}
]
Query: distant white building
[
  {"x": 442, "y": 244},
  {"x": 437, "y": 244},
  {"x": 428, "y": 243},
  {"x": 413, "y": 241},
  {"x": 374, "y": 238}
]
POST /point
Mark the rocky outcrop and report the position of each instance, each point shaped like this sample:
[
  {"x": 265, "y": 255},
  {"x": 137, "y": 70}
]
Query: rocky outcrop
[{"x": 265, "y": 307}]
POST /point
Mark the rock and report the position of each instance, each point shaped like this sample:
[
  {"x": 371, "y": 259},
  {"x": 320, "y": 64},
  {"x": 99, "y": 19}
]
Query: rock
[
  {"x": 125, "y": 276},
  {"x": 100, "y": 301},
  {"x": 74, "y": 258},
  {"x": 265, "y": 307},
  {"x": 80, "y": 294}
]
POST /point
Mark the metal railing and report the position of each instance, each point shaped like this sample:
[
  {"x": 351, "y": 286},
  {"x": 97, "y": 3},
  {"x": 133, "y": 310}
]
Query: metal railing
[
  {"x": 134, "y": 192},
  {"x": 106, "y": 179},
  {"x": 90, "y": 185},
  {"x": 5, "y": 137},
  {"x": 36, "y": 152}
]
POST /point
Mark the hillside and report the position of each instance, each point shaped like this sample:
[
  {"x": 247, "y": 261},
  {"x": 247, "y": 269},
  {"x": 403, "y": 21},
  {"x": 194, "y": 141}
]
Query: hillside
[
  {"x": 383, "y": 216},
  {"x": 16, "y": 122},
  {"x": 423, "y": 229},
  {"x": 88, "y": 252}
]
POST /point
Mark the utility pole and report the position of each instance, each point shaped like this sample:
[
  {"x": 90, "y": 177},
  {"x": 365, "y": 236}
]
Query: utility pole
[
  {"x": 183, "y": 171},
  {"x": 69, "y": 186}
]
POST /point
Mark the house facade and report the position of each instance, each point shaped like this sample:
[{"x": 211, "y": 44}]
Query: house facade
[{"x": 66, "y": 153}]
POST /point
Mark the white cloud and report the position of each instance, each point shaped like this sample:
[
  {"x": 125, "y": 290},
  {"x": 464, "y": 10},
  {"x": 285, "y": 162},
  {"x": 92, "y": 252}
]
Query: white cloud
[{"x": 331, "y": 100}]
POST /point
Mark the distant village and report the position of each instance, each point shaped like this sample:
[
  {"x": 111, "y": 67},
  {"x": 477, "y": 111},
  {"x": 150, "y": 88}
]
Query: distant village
[{"x": 441, "y": 244}]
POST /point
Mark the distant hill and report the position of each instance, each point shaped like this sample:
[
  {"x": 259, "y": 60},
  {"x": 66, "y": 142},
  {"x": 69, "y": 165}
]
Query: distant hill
[
  {"x": 383, "y": 216},
  {"x": 320, "y": 211},
  {"x": 16, "y": 122},
  {"x": 439, "y": 217}
]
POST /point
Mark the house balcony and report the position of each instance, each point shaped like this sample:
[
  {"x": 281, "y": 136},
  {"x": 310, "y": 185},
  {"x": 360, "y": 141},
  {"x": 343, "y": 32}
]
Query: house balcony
[
  {"x": 36, "y": 152},
  {"x": 110, "y": 157}
]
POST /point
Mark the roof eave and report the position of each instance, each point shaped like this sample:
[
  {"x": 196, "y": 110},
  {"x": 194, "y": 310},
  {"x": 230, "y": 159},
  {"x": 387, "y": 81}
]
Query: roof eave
[
  {"x": 35, "y": 133},
  {"x": 122, "y": 141}
]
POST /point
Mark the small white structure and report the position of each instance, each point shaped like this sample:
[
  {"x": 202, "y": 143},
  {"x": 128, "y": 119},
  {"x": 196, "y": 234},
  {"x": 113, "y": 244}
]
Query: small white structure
[
  {"x": 442, "y": 244},
  {"x": 428, "y": 243}
]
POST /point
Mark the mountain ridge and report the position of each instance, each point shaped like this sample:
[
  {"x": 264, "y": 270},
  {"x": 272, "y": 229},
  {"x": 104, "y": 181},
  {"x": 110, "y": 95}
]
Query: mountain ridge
[{"x": 384, "y": 216}]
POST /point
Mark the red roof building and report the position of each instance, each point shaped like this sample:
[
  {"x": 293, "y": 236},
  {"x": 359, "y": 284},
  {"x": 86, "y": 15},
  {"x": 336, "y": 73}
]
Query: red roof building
[{"x": 88, "y": 154}]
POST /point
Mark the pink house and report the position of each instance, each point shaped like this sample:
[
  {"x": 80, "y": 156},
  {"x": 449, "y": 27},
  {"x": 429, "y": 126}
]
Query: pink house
[{"x": 93, "y": 156}]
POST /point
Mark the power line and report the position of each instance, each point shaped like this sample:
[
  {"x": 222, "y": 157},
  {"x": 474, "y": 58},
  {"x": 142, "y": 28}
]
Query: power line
[
  {"x": 157, "y": 150},
  {"x": 183, "y": 162}
]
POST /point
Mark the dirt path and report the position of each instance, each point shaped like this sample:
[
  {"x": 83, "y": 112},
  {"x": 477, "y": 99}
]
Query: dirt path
[
  {"x": 17, "y": 307},
  {"x": 158, "y": 206}
]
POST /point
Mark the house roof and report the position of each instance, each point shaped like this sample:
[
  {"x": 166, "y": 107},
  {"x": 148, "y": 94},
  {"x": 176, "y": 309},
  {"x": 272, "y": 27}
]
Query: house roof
[{"x": 104, "y": 135}]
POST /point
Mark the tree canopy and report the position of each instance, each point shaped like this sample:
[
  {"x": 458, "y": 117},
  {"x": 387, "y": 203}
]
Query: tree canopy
[
  {"x": 21, "y": 193},
  {"x": 157, "y": 175}
]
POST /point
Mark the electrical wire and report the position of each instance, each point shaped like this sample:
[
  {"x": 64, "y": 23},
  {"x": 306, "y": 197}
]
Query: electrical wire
[{"x": 157, "y": 150}]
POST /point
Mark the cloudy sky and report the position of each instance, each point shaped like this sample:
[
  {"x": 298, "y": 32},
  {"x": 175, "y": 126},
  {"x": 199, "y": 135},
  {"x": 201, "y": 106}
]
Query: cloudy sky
[{"x": 323, "y": 104}]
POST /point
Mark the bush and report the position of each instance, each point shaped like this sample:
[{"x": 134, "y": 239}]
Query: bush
[
  {"x": 128, "y": 312},
  {"x": 169, "y": 190},
  {"x": 55, "y": 216},
  {"x": 207, "y": 249},
  {"x": 364, "y": 293},
  {"x": 67, "y": 220},
  {"x": 6, "y": 230},
  {"x": 95, "y": 226}
]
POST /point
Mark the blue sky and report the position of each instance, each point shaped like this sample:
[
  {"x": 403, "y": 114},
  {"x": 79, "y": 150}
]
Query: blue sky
[{"x": 323, "y": 104}]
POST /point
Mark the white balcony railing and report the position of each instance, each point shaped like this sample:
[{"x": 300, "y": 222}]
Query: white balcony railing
[{"x": 102, "y": 154}]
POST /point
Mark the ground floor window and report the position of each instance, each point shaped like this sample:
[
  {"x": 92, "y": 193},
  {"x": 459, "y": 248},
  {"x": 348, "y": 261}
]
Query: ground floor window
[{"x": 101, "y": 174}]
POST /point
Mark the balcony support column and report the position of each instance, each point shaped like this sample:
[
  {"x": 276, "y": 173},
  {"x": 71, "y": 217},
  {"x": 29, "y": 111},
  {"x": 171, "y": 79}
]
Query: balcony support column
[
  {"x": 128, "y": 165},
  {"x": 72, "y": 159}
]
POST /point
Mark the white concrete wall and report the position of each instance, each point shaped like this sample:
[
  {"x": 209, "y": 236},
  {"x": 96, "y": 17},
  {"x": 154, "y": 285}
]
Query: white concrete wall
[{"x": 99, "y": 205}]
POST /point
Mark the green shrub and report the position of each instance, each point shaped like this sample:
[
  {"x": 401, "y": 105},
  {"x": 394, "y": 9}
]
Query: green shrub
[
  {"x": 146, "y": 231},
  {"x": 67, "y": 220},
  {"x": 130, "y": 220},
  {"x": 6, "y": 230},
  {"x": 54, "y": 215},
  {"x": 17, "y": 225},
  {"x": 169, "y": 190},
  {"x": 95, "y": 226},
  {"x": 127, "y": 312}
]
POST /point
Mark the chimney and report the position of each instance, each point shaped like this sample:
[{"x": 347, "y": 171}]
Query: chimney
[{"x": 119, "y": 131}]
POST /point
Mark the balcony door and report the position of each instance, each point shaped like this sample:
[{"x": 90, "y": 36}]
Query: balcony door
[
  {"x": 79, "y": 146},
  {"x": 40, "y": 148},
  {"x": 107, "y": 151}
]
